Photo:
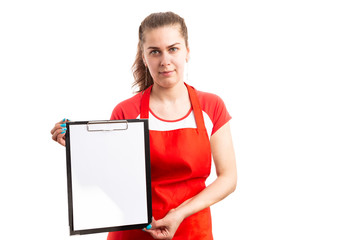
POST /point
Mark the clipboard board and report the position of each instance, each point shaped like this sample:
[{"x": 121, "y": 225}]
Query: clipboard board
[{"x": 108, "y": 175}]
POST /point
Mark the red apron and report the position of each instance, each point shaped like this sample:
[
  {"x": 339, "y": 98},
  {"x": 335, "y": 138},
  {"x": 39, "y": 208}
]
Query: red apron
[{"x": 180, "y": 164}]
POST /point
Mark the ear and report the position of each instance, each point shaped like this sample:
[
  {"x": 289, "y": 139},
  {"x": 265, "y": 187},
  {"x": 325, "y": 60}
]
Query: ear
[
  {"x": 187, "y": 54},
  {"x": 143, "y": 58}
]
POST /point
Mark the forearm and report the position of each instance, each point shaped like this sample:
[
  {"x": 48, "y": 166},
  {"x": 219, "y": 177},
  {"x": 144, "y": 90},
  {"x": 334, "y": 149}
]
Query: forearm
[{"x": 215, "y": 192}]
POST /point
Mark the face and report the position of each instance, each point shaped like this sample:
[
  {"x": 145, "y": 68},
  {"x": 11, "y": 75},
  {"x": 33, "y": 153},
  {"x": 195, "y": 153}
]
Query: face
[{"x": 165, "y": 54}]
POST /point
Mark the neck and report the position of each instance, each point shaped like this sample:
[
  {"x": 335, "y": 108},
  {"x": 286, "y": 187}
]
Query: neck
[{"x": 171, "y": 94}]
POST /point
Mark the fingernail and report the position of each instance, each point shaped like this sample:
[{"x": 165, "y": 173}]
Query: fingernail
[
  {"x": 68, "y": 120},
  {"x": 64, "y": 129},
  {"x": 63, "y": 120},
  {"x": 148, "y": 227},
  {"x": 63, "y": 132},
  {"x": 63, "y": 125}
]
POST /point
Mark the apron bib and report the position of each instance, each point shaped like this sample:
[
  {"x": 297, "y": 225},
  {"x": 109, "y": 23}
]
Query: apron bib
[{"x": 180, "y": 164}]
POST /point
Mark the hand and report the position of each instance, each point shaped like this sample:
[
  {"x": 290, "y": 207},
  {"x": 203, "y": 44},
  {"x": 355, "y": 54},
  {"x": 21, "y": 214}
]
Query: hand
[
  {"x": 165, "y": 228},
  {"x": 59, "y": 130}
]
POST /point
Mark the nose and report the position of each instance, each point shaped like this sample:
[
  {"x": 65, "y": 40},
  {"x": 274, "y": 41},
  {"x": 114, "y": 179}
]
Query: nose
[{"x": 165, "y": 59}]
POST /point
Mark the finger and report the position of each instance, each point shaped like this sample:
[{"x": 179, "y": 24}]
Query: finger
[
  {"x": 55, "y": 134},
  {"x": 59, "y": 136},
  {"x": 62, "y": 141},
  {"x": 58, "y": 129},
  {"x": 148, "y": 227},
  {"x": 159, "y": 233},
  {"x": 58, "y": 125},
  {"x": 155, "y": 228},
  {"x": 154, "y": 224},
  {"x": 54, "y": 128}
]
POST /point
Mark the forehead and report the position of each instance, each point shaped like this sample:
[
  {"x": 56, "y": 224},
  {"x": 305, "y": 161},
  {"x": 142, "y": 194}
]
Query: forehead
[{"x": 163, "y": 36}]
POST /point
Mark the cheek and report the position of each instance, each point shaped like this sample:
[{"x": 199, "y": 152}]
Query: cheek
[
  {"x": 152, "y": 65},
  {"x": 153, "y": 68},
  {"x": 180, "y": 63},
  {"x": 181, "y": 60}
]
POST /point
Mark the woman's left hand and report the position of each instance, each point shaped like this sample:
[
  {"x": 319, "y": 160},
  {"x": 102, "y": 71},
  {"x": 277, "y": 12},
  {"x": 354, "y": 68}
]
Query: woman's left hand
[{"x": 165, "y": 228}]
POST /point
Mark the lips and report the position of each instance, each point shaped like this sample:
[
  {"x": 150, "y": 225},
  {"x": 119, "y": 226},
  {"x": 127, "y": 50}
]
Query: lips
[{"x": 166, "y": 73}]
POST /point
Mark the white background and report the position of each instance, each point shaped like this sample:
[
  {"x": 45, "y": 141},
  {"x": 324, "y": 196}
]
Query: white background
[{"x": 288, "y": 72}]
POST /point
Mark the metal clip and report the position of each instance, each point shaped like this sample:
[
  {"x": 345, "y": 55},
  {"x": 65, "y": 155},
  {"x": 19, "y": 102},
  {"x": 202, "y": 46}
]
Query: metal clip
[{"x": 112, "y": 125}]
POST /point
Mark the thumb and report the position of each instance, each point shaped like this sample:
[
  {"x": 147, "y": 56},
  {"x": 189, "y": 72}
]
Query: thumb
[
  {"x": 150, "y": 226},
  {"x": 156, "y": 224}
]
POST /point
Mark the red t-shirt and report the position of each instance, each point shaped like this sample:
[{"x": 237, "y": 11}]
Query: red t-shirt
[{"x": 214, "y": 112}]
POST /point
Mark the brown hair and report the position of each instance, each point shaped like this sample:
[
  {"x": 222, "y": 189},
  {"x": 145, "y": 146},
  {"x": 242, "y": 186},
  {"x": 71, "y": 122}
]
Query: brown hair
[{"x": 142, "y": 76}]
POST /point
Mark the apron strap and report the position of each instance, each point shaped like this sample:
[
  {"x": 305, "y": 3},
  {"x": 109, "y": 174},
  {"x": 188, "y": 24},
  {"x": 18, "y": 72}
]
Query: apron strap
[
  {"x": 145, "y": 100},
  {"x": 196, "y": 108}
]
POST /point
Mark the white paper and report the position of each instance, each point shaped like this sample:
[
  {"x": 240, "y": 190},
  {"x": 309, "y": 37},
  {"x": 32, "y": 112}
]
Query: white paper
[{"x": 108, "y": 177}]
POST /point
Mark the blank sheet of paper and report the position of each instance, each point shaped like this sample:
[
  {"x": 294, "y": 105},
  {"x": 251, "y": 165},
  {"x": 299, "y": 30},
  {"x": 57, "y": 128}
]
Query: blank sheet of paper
[{"x": 109, "y": 181}]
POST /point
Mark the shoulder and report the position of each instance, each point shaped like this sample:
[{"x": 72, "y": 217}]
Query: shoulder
[
  {"x": 211, "y": 103},
  {"x": 207, "y": 99},
  {"x": 215, "y": 108},
  {"x": 127, "y": 109}
]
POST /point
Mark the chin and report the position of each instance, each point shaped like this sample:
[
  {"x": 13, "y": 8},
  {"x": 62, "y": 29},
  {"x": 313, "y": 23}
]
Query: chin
[{"x": 168, "y": 83}]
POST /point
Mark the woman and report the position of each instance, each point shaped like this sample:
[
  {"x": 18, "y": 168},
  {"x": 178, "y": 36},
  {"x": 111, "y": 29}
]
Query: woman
[{"x": 187, "y": 127}]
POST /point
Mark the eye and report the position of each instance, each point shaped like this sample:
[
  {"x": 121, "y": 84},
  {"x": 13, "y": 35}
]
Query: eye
[
  {"x": 173, "y": 49},
  {"x": 154, "y": 52}
]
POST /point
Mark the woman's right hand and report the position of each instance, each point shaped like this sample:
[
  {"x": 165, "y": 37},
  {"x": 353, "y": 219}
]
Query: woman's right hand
[{"x": 59, "y": 130}]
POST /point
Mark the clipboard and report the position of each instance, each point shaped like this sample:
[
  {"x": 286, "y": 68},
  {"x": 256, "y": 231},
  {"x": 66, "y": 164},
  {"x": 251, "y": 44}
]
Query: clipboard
[{"x": 108, "y": 175}]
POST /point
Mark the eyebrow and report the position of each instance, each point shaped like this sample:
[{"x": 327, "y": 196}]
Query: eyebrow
[{"x": 172, "y": 45}]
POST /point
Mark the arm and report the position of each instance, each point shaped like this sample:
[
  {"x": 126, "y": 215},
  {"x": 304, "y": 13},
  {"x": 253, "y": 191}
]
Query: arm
[{"x": 225, "y": 183}]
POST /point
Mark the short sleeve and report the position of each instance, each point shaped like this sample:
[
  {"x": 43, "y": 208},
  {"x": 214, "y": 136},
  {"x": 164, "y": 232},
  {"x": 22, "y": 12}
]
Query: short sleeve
[
  {"x": 117, "y": 113},
  {"x": 221, "y": 115},
  {"x": 215, "y": 108},
  {"x": 128, "y": 109}
]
